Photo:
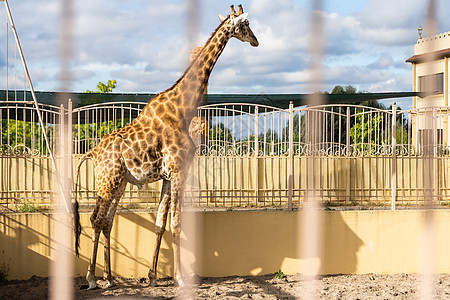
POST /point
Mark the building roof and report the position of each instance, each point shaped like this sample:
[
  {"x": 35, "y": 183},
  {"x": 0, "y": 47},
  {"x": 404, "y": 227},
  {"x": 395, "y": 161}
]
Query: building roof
[{"x": 419, "y": 58}]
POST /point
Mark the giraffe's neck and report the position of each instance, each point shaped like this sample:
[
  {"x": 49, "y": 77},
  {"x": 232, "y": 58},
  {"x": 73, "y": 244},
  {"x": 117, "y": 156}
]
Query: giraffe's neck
[{"x": 191, "y": 86}]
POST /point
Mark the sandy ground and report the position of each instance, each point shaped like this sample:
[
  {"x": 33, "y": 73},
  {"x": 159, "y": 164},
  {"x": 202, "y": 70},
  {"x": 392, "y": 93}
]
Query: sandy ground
[{"x": 370, "y": 286}]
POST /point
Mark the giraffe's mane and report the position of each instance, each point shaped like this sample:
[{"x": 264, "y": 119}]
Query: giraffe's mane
[{"x": 199, "y": 53}]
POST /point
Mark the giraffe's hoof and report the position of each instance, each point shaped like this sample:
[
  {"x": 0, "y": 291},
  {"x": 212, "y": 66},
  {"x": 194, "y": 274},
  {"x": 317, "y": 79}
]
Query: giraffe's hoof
[
  {"x": 153, "y": 282},
  {"x": 180, "y": 283},
  {"x": 110, "y": 283},
  {"x": 92, "y": 286},
  {"x": 152, "y": 278}
]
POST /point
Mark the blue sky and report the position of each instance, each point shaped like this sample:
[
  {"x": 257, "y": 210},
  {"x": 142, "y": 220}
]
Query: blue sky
[{"x": 144, "y": 46}]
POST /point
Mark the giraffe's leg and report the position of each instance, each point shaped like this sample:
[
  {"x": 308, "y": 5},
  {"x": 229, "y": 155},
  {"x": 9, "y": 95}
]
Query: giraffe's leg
[
  {"x": 160, "y": 227},
  {"x": 90, "y": 277},
  {"x": 107, "y": 250},
  {"x": 175, "y": 225}
]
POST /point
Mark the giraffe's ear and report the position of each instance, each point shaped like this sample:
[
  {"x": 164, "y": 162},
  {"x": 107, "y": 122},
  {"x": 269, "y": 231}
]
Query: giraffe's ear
[
  {"x": 221, "y": 18},
  {"x": 240, "y": 18}
]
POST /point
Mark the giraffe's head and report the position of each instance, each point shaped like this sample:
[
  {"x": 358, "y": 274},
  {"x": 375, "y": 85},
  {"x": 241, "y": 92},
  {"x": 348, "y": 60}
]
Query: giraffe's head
[{"x": 239, "y": 26}]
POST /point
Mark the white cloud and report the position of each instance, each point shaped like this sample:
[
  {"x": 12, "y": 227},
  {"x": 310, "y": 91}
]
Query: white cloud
[
  {"x": 144, "y": 45},
  {"x": 384, "y": 61}
]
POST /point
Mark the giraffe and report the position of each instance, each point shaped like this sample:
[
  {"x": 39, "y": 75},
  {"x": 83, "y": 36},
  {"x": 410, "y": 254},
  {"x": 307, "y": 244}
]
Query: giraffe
[{"x": 155, "y": 146}]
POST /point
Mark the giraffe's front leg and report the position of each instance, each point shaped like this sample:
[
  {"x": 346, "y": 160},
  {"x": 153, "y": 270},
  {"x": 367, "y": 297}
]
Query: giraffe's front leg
[
  {"x": 160, "y": 227},
  {"x": 175, "y": 225}
]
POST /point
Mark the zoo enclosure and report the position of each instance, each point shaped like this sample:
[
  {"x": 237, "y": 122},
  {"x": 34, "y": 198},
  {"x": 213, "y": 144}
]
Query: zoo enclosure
[{"x": 249, "y": 155}]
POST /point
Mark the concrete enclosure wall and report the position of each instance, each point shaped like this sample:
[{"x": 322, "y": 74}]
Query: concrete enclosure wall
[{"x": 236, "y": 243}]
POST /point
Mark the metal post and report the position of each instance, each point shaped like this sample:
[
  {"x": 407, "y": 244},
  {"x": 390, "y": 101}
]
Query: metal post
[
  {"x": 291, "y": 155},
  {"x": 27, "y": 75},
  {"x": 348, "y": 179},
  {"x": 435, "y": 165},
  {"x": 69, "y": 142},
  {"x": 348, "y": 131},
  {"x": 256, "y": 132},
  {"x": 394, "y": 156},
  {"x": 62, "y": 153},
  {"x": 256, "y": 167}
]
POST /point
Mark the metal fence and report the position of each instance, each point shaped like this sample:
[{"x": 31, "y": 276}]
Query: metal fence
[
  {"x": 21, "y": 132},
  {"x": 251, "y": 155}
]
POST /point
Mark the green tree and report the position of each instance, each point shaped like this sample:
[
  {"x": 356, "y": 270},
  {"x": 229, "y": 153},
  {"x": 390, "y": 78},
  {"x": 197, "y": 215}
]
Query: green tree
[
  {"x": 336, "y": 125},
  {"x": 88, "y": 135},
  {"x": 269, "y": 142},
  {"x": 23, "y": 137},
  {"x": 338, "y": 89},
  {"x": 104, "y": 88},
  {"x": 364, "y": 134},
  {"x": 220, "y": 139}
]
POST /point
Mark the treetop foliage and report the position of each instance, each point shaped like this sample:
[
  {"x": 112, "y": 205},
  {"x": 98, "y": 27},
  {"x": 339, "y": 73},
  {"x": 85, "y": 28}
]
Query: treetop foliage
[{"x": 104, "y": 88}]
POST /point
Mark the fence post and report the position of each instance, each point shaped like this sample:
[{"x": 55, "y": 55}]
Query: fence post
[
  {"x": 291, "y": 155},
  {"x": 69, "y": 141},
  {"x": 348, "y": 132},
  {"x": 435, "y": 176},
  {"x": 394, "y": 156},
  {"x": 256, "y": 167},
  {"x": 61, "y": 154},
  {"x": 61, "y": 132},
  {"x": 348, "y": 179}
]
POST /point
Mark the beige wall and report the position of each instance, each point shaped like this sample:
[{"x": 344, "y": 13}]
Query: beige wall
[
  {"x": 238, "y": 243},
  {"x": 432, "y": 43}
]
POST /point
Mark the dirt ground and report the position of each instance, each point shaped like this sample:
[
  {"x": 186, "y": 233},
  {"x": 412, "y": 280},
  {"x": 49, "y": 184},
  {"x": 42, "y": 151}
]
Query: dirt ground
[{"x": 370, "y": 286}]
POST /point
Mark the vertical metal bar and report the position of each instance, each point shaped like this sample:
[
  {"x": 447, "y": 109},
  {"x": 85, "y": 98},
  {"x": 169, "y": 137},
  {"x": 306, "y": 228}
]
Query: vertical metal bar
[
  {"x": 348, "y": 179},
  {"x": 33, "y": 133},
  {"x": 256, "y": 167},
  {"x": 27, "y": 75},
  {"x": 394, "y": 157},
  {"x": 435, "y": 166},
  {"x": 348, "y": 132},
  {"x": 233, "y": 134},
  {"x": 16, "y": 137},
  {"x": 7, "y": 61},
  {"x": 61, "y": 153},
  {"x": 265, "y": 132},
  {"x": 24, "y": 127},
  {"x": 291, "y": 155},
  {"x": 69, "y": 141}
]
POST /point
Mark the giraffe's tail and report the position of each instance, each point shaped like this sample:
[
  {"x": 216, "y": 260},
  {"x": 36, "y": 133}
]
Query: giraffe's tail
[{"x": 76, "y": 214}]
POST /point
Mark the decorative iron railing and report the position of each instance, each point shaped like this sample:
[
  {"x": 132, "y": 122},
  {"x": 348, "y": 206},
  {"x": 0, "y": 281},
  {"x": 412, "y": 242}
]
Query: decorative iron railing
[
  {"x": 21, "y": 131},
  {"x": 251, "y": 155}
]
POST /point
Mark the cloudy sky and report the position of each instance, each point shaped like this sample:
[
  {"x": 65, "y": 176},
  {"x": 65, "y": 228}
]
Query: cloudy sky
[{"x": 144, "y": 44}]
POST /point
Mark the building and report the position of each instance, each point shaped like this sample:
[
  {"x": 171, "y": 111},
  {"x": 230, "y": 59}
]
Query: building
[{"x": 430, "y": 64}]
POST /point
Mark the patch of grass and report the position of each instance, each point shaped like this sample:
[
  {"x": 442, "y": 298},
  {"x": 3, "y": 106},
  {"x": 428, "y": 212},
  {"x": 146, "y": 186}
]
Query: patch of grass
[
  {"x": 30, "y": 208},
  {"x": 4, "y": 269},
  {"x": 133, "y": 206},
  {"x": 280, "y": 275}
]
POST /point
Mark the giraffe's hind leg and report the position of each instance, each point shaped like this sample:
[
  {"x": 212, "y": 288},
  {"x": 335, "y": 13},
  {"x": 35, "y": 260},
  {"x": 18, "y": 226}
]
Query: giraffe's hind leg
[
  {"x": 90, "y": 277},
  {"x": 160, "y": 227},
  {"x": 107, "y": 223},
  {"x": 107, "y": 270},
  {"x": 102, "y": 220}
]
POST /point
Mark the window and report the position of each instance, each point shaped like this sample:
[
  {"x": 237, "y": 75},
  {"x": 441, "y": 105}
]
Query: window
[
  {"x": 426, "y": 139},
  {"x": 432, "y": 83}
]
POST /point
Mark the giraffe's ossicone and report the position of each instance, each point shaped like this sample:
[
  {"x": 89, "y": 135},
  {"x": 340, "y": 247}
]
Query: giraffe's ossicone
[{"x": 156, "y": 146}]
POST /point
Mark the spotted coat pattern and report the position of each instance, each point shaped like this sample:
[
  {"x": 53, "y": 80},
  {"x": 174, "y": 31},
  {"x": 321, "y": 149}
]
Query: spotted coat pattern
[{"x": 157, "y": 146}]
